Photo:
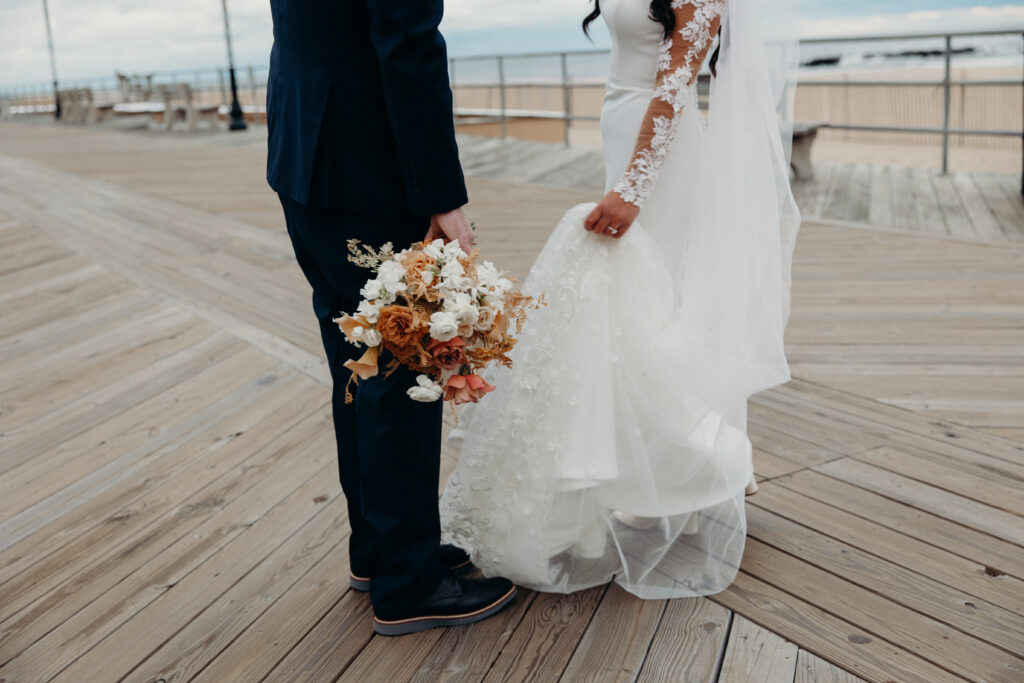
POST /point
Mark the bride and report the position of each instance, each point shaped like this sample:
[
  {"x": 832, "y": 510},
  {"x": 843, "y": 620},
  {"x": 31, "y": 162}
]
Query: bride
[{"x": 616, "y": 449}]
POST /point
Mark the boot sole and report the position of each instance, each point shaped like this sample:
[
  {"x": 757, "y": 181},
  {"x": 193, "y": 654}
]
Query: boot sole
[{"x": 417, "y": 624}]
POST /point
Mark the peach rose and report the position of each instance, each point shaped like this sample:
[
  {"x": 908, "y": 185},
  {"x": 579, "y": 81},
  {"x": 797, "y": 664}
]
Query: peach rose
[
  {"x": 448, "y": 355},
  {"x": 416, "y": 261},
  {"x": 466, "y": 389},
  {"x": 401, "y": 333}
]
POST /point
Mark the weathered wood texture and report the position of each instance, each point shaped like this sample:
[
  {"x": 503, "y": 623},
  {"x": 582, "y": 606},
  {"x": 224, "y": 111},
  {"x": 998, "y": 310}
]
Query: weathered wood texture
[{"x": 168, "y": 505}]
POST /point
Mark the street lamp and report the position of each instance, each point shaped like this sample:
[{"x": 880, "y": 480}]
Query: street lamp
[
  {"x": 53, "y": 62},
  {"x": 237, "y": 119}
]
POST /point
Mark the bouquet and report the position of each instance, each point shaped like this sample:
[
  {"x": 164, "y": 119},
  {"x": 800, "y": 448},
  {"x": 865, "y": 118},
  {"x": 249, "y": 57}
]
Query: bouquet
[{"x": 440, "y": 312}]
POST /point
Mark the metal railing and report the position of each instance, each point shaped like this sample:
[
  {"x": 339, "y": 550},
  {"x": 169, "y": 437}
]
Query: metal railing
[
  {"x": 502, "y": 114},
  {"x": 211, "y": 85},
  {"x": 562, "y": 81}
]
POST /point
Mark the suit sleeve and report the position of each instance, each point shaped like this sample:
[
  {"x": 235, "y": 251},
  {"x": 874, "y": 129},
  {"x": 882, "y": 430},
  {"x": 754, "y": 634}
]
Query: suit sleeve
[{"x": 414, "y": 68}]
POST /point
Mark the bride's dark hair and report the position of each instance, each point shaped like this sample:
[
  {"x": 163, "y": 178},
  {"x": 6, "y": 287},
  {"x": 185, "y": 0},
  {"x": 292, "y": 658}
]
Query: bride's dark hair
[{"x": 661, "y": 12}]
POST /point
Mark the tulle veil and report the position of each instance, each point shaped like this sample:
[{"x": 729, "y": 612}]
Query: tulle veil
[{"x": 616, "y": 449}]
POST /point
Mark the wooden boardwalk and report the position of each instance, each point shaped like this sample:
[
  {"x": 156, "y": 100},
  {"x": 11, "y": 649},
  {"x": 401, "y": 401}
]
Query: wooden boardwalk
[{"x": 169, "y": 509}]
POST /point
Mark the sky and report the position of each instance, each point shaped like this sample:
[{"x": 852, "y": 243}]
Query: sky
[{"x": 97, "y": 37}]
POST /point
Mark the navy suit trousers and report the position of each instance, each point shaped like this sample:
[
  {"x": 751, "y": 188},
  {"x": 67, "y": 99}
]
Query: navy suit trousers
[{"x": 388, "y": 445}]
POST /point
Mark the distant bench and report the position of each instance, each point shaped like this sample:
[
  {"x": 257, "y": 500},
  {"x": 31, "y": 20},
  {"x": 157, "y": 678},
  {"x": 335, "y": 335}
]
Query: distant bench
[
  {"x": 78, "y": 105},
  {"x": 180, "y": 102},
  {"x": 804, "y": 135}
]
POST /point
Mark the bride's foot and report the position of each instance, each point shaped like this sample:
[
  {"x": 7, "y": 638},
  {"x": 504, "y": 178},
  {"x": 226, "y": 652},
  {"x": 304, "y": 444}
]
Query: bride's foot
[
  {"x": 635, "y": 522},
  {"x": 592, "y": 543},
  {"x": 752, "y": 487}
]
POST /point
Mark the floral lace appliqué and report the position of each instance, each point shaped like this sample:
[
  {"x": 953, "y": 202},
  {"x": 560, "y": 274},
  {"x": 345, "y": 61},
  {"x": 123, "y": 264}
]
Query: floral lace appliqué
[{"x": 679, "y": 60}]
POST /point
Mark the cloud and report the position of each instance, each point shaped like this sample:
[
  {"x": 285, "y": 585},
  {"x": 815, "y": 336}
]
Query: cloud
[
  {"x": 97, "y": 37},
  {"x": 1010, "y": 17}
]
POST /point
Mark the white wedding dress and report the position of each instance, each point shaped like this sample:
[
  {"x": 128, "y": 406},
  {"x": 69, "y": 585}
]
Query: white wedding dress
[{"x": 616, "y": 448}]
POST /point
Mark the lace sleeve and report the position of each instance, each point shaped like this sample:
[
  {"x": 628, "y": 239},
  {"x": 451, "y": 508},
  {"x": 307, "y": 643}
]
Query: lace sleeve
[{"x": 679, "y": 62}]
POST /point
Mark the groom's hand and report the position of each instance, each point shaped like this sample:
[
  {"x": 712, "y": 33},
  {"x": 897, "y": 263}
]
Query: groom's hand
[{"x": 451, "y": 226}]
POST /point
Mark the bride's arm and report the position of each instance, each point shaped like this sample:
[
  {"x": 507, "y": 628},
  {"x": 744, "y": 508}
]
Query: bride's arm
[{"x": 679, "y": 62}]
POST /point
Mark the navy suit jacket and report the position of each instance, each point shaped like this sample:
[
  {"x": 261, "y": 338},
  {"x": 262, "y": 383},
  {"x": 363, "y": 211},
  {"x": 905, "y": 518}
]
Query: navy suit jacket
[{"x": 359, "y": 108}]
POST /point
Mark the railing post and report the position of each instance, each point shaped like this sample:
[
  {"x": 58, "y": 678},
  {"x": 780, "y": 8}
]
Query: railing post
[
  {"x": 1022, "y": 147},
  {"x": 252, "y": 87},
  {"x": 566, "y": 97},
  {"x": 501, "y": 97},
  {"x": 223, "y": 87},
  {"x": 946, "y": 87}
]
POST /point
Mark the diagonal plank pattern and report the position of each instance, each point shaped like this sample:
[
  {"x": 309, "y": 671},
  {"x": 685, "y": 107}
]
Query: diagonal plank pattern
[{"x": 169, "y": 509}]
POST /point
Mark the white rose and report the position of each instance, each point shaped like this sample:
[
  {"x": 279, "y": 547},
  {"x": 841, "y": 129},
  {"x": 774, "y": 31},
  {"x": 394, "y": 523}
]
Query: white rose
[
  {"x": 503, "y": 284},
  {"x": 487, "y": 274},
  {"x": 452, "y": 269},
  {"x": 390, "y": 271},
  {"x": 444, "y": 326},
  {"x": 370, "y": 336},
  {"x": 426, "y": 390},
  {"x": 461, "y": 304},
  {"x": 435, "y": 249},
  {"x": 380, "y": 292},
  {"x": 369, "y": 311},
  {"x": 453, "y": 250}
]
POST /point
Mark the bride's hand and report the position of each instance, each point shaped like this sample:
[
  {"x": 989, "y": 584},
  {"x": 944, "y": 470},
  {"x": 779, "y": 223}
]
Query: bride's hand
[{"x": 612, "y": 217}]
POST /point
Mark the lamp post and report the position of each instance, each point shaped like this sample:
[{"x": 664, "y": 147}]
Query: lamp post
[
  {"x": 237, "y": 119},
  {"x": 53, "y": 61}
]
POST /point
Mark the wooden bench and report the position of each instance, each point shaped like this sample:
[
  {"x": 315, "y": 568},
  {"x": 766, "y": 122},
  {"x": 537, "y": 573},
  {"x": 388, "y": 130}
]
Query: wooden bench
[
  {"x": 804, "y": 135},
  {"x": 179, "y": 103},
  {"x": 79, "y": 106}
]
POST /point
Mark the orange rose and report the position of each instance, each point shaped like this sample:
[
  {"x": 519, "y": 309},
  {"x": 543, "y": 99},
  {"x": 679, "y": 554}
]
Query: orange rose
[
  {"x": 400, "y": 330},
  {"x": 466, "y": 389}
]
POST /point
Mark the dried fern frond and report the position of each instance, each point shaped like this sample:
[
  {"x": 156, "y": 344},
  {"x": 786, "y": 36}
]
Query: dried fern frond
[{"x": 368, "y": 257}]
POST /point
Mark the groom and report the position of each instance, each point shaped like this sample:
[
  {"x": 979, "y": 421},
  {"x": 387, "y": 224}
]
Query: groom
[{"x": 362, "y": 146}]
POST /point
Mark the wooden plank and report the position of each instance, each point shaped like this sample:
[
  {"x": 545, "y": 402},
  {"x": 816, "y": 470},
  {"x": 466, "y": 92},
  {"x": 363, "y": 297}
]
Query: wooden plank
[
  {"x": 951, "y": 207},
  {"x": 206, "y": 635},
  {"x": 954, "y": 571},
  {"x": 1007, "y": 210},
  {"x": 929, "y": 498},
  {"x": 991, "y": 626},
  {"x": 544, "y": 642},
  {"x": 880, "y": 198},
  {"x": 928, "y": 210},
  {"x": 997, "y": 556},
  {"x": 170, "y": 592},
  {"x": 689, "y": 643},
  {"x": 813, "y": 669},
  {"x": 1003, "y": 488},
  {"x": 327, "y": 649},
  {"x": 157, "y": 550},
  {"x": 87, "y": 471},
  {"x": 986, "y": 225},
  {"x": 820, "y": 631},
  {"x": 755, "y": 654},
  {"x": 615, "y": 644},
  {"x": 874, "y": 616},
  {"x": 80, "y": 536}
]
